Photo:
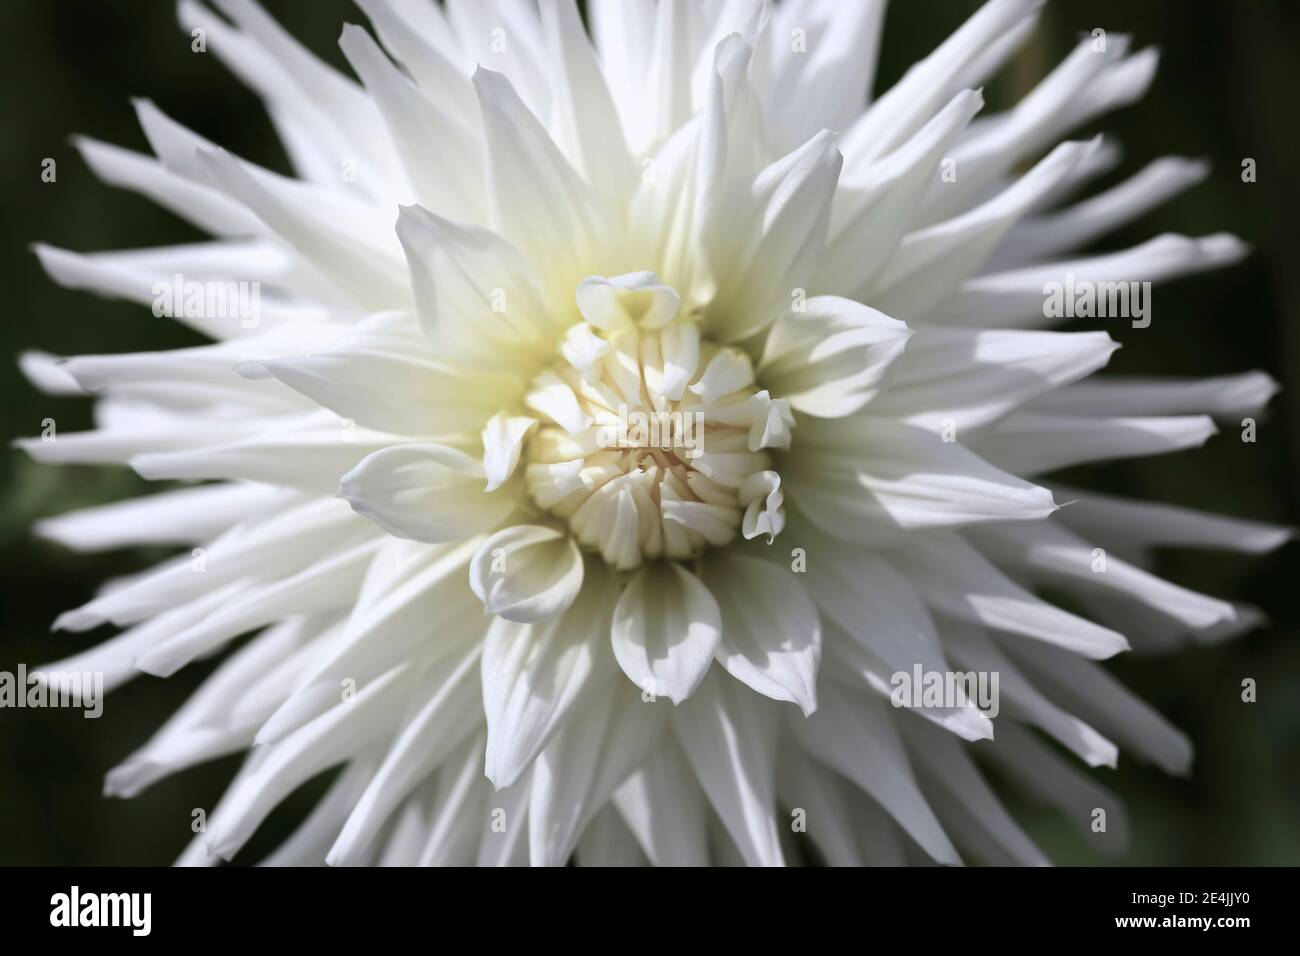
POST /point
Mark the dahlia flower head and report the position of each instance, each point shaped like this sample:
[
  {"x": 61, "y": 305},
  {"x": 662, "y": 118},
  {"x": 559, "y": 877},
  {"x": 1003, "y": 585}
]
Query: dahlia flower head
[{"x": 519, "y": 631}]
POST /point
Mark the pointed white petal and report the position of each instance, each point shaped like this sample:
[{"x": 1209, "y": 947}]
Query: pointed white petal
[
  {"x": 576, "y": 774},
  {"x": 869, "y": 479},
  {"x": 1027, "y": 443},
  {"x": 954, "y": 578},
  {"x": 1226, "y": 398},
  {"x": 829, "y": 356},
  {"x": 1019, "y": 298},
  {"x": 527, "y": 573},
  {"x": 536, "y": 199},
  {"x": 771, "y": 634},
  {"x": 476, "y": 296},
  {"x": 856, "y": 736},
  {"x": 444, "y": 715},
  {"x": 583, "y": 118},
  {"x": 534, "y": 675},
  {"x": 763, "y": 238},
  {"x": 666, "y": 630},
  {"x": 729, "y": 736},
  {"x": 1038, "y": 769},
  {"x": 425, "y": 492},
  {"x": 971, "y": 377},
  {"x": 1051, "y": 554},
  {"x": 977, "y": 816},
  {"x": 503, "y": 439},
  {"x": 1095, "y": 695},
  {"x": 664, "y": 807},
  {"x": 1141, "y": 525}
]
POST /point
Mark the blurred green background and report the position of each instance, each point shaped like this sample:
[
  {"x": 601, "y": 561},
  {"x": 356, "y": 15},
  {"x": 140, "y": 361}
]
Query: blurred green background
[{"x": 1225, "y": 91}]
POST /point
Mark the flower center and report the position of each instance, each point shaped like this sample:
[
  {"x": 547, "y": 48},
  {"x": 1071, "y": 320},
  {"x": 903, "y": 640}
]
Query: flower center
[{"x": 653, "y": 441}]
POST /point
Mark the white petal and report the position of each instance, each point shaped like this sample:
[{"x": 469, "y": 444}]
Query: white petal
[
  {"x": 303, "y": 91},
  {"x": 1086, "y": 83},
  {"x": 309, "y": 843},
  {"x": 311, "y": 453},
  {"x": 1017, "y": 298},
  {"x": 419, "y": 36},
  {"x": 503, "y": 439},
  {"x": 574, "y": 777},
  {"x": 664, "y": 807},
  {"x": 421, "y": 129},
  {"x": 368, "y": 269},
  {"x": 953, "y": 577},
  {"x": 685, "y": 176},
  {"x": 551, "y": 396},
  {"x": 666, "y": 630},
  {"x": 869, "y": 479},
  {"x": 635, "y": 297},
  {"x": 1226, "y": 398},
  {"x": 1141, "y": 524},
  {"x": 729, "y": 736},
  {"x": 952, "y": 780},
  {"x": 764, "y": 237},
  {"x": 851, "y": 654},
  {"x": 1080, "y": 225},
  {"x": 412, "y": 591},
  {"x": 971, "y": 377},
  {"x": 444, "y": 716},
  {"x": 206, "y": 207},
  {"x": 425, "y": 492},
  {"x": 803, "y": 784},
  {"x": 536, "y": 199},
  {"x": 829, "y": 357},
  {"x": 503, "y": 836},
  {"x": 623, "y": 34},
  {"x": 268, "y": 547},
  {"x": 1029, "y": 444},
  {"x": 477, "y": 297},
  {"x": 535, "y": 674},
  {"x": 325, "y": 585},
  {"x": 932, "y": 262},
  {"x": 583, "y": 349},
  {"x": 771, "y": 634},
  {"x": 341, "y": 733},
  {"x": 607, "y": 842},
  {"x": 681, "y": 353},
  {"x": 824, "y": 84},
  {"x": 506, "y": 36},
  {"x": 878, "y": 202},
  {"x": 183, "y": 516},
  {"x": 973, "y": 648},
  {"x": 462, "y": 792},
  {"x": 1090, "y": 691},
  {"x": 875, "y": 624},
  {"x": 145, "y": 276},
  {"x": 857, "y": 737},
  {"x": 760, "y": 494},
  {"x": 1024, "y": 758},
  {"x": 584, "y": 119},
  {"x": 44, "y": 371},
  {"x": 728, "y": 371},
  {"x": 917, "y": 96},
  {"x": 527, "y": 572},
  {"x": 1051, "y": 554},
  {"x": 385, "y": 374}
]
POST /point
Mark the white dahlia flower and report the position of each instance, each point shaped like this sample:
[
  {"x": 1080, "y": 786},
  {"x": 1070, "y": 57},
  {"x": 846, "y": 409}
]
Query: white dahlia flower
[{"x": 621, "y": 419}]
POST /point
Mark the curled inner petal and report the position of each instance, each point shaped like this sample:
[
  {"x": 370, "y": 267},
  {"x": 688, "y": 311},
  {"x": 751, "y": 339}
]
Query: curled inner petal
[{"x": 649, "y": 433}]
